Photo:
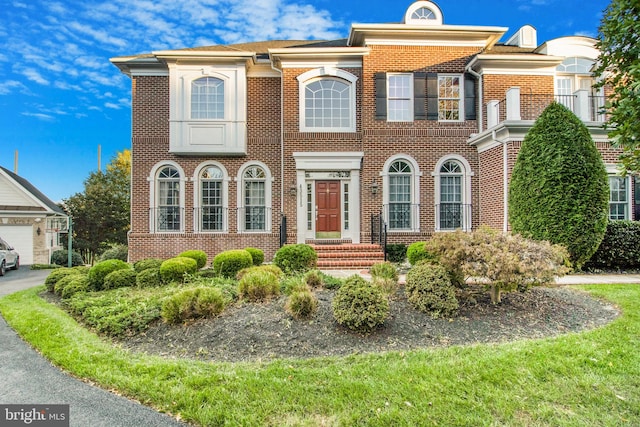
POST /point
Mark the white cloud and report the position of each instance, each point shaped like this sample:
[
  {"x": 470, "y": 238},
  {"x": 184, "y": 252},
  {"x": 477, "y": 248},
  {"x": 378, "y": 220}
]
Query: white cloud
[
  {"x": 40, "y": 116},
  {"x": 32, "y": 74},
  {"x": 9, "y": 86}
]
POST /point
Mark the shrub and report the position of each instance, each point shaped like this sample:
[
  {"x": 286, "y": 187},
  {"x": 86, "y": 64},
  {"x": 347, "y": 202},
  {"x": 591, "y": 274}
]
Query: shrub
[
  {"x": 388, "y": 286},
  {"x": 120, "y": 279},
  {"x": 228, "y": 263},
  {"x": 61, "y": 257},
  {"x": 199, "y": 256},
  {"x": 258, "y": 285},
  {"x": 559, "y": 189},
  {"x": 56, "y": 275},
  {"x": 384, "y": 270},
  {"x": 144, "y": 264},
  {"x": 98, "y": 272},
  {"x": 450, "y": 250},
  {"x": 302, "y": 304},
  {"x": 192, "y": 304},
  {"x": 396, "y": 252},
  {"x": 266, "y": 267},
  {"x": 359, "y": 305},
  {"x": 418, "y": 251},
  {"x": 149, "y": 278},
  {"x": 175, "y": 269},
  {"x": 429, "y": 290},
  {"x": 313, "y": 278},
  {"x": 294, "y": 259},
  {"x": 79, "y": 283},
  {"x": 120, "y": 252},
  {"x": 257, "y": 255},
  {"x": 292, "y": 284},
  {"x": 64, "y": 282},
  {"x": 620, "y": 247},
  {"x": 207, "y": 273},
  {"x": 329, "y": 281},
  {"x": 510, "y": 262}
]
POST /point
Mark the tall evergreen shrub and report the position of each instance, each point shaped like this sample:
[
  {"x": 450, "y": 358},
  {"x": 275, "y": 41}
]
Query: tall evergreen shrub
[{"x": 559, "y": 188}]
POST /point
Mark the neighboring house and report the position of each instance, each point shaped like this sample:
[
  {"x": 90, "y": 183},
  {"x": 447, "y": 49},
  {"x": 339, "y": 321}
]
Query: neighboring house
[
  {"x": 417, "y": 124},
  {"x": 29, "y": 220}
]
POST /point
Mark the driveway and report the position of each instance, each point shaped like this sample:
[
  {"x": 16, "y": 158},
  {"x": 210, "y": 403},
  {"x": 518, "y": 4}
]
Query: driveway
[{"x": 28, "y": 378}]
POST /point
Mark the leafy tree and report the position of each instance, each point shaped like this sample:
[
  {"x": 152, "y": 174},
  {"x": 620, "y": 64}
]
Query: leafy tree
[
  {"x": 559, "y": 188},
  {"x": 101, "y": 213},
  {"x": 618, "y": 67}
]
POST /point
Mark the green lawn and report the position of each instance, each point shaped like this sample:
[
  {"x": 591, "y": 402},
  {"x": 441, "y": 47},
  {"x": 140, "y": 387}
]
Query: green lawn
[{"x": 592, "y": 378}]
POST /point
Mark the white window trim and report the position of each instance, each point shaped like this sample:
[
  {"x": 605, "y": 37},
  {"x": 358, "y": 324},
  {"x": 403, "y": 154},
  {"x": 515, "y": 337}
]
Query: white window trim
[
  {"x": 189, "y": 79},
  {"x": 411, "y": 113},
  {"x": 316, "y": 74},
  {"x": 198, "y": 192},
  {"x": 614, "y": 171},
  {"x": 467, "y": 173},
  {"x": 419, "y": 5},
  {"x": 460, "y": 97},
  {"x": 267, "y": 197},
  {"x": 415, "y": 190},
  {"x": 153, "y": 179}
]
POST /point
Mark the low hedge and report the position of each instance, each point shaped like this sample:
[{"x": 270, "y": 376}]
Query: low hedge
[
  {"x": 295, "y": 259},
  {"x": 199, "y": 256},
  {"x": 257, "y": 255},
  {"x": 620, "y": 248},
  {"x": 98, "y": 272},
  {"x": 146, "y": 263},
  {"x": 149, "y": 278},
  {"x": 174, "y": 269},
  {"x": 120, "y": 279}
]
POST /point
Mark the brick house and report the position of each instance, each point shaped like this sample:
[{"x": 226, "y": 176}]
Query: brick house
[{"x": 414, "y": 125}]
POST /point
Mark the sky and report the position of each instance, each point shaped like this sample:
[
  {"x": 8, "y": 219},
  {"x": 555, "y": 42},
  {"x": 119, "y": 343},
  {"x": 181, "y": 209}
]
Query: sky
[{"x": 61, "y": 98}]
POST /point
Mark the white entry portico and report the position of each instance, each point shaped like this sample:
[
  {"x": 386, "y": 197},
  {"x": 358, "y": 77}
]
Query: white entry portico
[{"x": 339, "y": 173}]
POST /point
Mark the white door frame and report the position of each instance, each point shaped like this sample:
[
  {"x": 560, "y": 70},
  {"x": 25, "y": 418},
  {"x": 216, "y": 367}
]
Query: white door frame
[{"x": 342, "y": 166}]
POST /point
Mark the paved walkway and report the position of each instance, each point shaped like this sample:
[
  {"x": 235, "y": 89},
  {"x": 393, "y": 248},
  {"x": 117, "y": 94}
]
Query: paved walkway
[
  {"x": 28, "y": 378},
  {"x": 573, "y": 279}
]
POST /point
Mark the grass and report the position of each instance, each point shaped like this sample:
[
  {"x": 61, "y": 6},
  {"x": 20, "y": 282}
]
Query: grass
[{"x": 591, "y": 378}]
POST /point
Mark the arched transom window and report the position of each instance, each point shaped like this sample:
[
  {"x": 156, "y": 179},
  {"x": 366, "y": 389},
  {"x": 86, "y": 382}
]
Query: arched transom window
[{"x": 327, "y": 104}]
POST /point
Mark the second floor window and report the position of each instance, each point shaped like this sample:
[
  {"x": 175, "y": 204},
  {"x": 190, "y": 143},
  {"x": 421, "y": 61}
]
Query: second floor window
[
  {"x": 400, "y": 97},
  {"x": 207, "y": 98},
  {"x": 449, "y": 98}
]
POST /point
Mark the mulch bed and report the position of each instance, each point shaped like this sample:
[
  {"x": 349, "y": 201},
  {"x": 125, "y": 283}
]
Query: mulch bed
[{"x": 265, "y": 331}]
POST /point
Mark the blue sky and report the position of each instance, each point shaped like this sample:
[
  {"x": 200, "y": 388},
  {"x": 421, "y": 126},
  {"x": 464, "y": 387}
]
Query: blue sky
[{"x": 61, "y": 98}]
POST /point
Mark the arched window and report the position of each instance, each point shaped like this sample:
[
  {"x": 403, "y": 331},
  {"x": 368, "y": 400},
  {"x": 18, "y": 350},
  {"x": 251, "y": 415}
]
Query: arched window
[
  {"x": 401, "y": 184},
  {"x": 212, "y": 215},
  {"x": 400, "y": 175},
  {"x": 453, "y": 194},
  {"x": 168, "y": 211},
  {"x": 207, "y": 98},
  {"x": 327, "y": 101},
  {"x": 254, "y": 213}
]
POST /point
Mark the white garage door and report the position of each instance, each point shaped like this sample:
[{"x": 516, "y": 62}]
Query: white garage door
[{"x": 21, "y": 238}]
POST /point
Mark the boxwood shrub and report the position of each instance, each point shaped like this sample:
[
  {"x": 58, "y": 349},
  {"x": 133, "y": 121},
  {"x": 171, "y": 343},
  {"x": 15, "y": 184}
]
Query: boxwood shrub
[
  {"x": 396, "y": 252},
  {"x": 149, "y": 278},
  {"x": 98, "y": 272},
  {"x": 174, "y": 269},
  {"x": 120, "y": 252},
  {"x": 418, "y": 251},
  {"x": 64, "y": 282},
  {"x": 120, "y": 279},
  {"x": 360, "y": 305},
  {"x": 61, "y": 257},
  {"x": 143, "y": 264},
  {"x": 78, "y": 283},
  {"x": 429, "y": 290},
  {"x": 257, "y": 255},
  {"x": 193, "y": 303},
  {"x": 294, "y": 259},
  {"x": 56, "y": 275},
  {"x": 229, "y": 263},
  {"x": 199, "y": 256},
  {"x": 620, "y": 248}
]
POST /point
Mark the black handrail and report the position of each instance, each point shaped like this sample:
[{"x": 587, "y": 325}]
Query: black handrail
[
  {"x": 379, "y": 232},
  {"x": 283, "y": 230}
]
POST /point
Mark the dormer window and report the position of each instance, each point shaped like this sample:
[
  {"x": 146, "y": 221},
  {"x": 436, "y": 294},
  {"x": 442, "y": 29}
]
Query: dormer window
[{"x": 423, "y": 13}]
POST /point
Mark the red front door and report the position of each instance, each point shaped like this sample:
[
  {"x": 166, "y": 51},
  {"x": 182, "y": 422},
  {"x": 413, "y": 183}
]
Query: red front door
[{"x": 328, "y": 209}]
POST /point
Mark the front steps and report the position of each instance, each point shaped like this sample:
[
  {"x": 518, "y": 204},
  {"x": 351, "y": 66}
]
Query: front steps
[{"x": 347, "y": 256}]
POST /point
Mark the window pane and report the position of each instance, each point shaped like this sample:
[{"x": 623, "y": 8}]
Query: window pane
[
  {"x": 618, "y": 198},
  {"x": 449, "y": 95}
]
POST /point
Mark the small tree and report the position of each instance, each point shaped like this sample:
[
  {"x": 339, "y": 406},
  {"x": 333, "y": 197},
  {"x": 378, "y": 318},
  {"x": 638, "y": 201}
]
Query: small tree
[{"x": 559, "y": 189}]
